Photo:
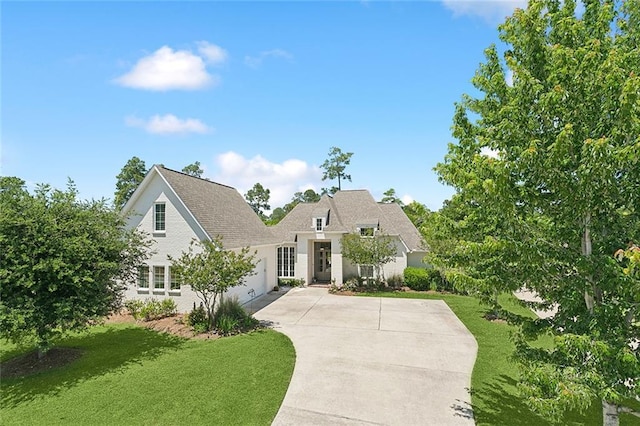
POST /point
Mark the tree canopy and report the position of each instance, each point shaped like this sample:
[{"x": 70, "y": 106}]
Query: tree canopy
[
  {"x": 375, "y": 251},
  {"x": 64, "y": 261},
  {"x": 193, "y": 169},
  {"x": 128, "y": 180},
  {"x": 211, "y": 271},
  {"x": 546, "y": 168},
  {"x": 258, "y": 198},
  {"x": 389, "y": 196},
  {"x": 334, "y": 168}
]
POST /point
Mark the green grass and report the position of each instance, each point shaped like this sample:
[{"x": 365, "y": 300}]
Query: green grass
[
  {"x": 131, "y": 375},
  {"x": 494, "y": 395}
]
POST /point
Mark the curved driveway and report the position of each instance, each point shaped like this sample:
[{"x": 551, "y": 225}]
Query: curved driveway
[{"x": 371, "y": 360}]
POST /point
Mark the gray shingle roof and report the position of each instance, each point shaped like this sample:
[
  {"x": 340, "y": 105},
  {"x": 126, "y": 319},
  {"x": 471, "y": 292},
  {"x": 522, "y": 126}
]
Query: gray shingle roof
[
  {"x": 347, "y": 210},
  {"x": 219, "y": 209}
]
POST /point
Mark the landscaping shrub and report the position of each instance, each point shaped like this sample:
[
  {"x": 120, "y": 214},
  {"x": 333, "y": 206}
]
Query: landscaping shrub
[
  {"x": 230, "y": 317},
  {"x": 151, "y": 309},
  {"x": 291, "y": 282},
  {"x": 395, "y": 281},
  {"x": 226, "y": 325},
  {"x": 197, "y": 319},
  {"x": 134, "y": 306},
  {"x": 417, "y": 279}
]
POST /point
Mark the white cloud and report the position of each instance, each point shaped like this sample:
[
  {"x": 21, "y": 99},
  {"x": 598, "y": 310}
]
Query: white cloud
[
  {"x": 256, "y": 61},
  {"x": 490, "y": 10},
  {"x": 406, "y": 199},
  {"x": 168, "y": 124},
  {"x": 282, "y": 179},
  {"x": 213, "y": 54},
  {"x": 166, "y": 69}
]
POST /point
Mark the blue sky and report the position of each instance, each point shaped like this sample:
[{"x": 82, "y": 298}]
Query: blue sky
[{"x": 255, "y": 91}]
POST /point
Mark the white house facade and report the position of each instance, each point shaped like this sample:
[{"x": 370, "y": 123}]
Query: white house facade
[{"x": 175, "y": 209}]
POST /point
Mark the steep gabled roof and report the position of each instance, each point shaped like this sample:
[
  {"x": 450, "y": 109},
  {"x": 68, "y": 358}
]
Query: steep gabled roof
[
  {"x": 346, "y": 211},
  {"x": 219, "y": 209},
  {"x": 400, "y": 222}
]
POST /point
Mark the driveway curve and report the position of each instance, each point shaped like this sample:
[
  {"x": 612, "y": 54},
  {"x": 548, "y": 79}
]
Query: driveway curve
[{"x": 372, "y": 360}]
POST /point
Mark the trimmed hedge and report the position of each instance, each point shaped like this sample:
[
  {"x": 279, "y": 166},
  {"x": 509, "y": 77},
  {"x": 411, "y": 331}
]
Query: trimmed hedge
[
  {"x": 422, "y": 279},
  {"x": 417, "y": 279}
]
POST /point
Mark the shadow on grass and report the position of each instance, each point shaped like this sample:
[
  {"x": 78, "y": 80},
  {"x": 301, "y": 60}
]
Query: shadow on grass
[
  {"x": 496, "y": 405},
  {"x": 499, "y": 406},
  {"x": 106, "y": 350}
]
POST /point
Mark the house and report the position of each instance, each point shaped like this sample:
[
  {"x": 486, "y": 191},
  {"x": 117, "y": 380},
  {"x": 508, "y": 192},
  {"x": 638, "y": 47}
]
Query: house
[
  {"x": 175, "y": 208},
  {"x": 309, "y": 236}
]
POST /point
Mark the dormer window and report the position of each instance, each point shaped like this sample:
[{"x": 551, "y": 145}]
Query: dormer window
[
  {"x": 367, "y": 232},
  {"x": 159, "y": 217},
  {"x": 367, "y": 228},
  {"x": 319, "y": 224}
]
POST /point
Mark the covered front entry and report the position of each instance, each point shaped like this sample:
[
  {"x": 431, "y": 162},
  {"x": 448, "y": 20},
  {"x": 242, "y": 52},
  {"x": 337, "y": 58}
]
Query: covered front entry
[{"x": 322, "y": 261}]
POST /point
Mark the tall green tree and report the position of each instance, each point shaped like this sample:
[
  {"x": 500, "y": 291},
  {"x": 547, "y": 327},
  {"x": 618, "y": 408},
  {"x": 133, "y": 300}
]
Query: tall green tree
[
  {"x": 334, "y": 168},
  {"x": 193, "y": 169},
  {"x": 211, "y": 271},
  {"x": 389, "y": 196},
  {"x": 258, "y": 198},
  {"x": 563, "y": 182},
  {"x": 63, "y": 262},
  {"x": 417, "y": 213},
  {"x": 128, "y": 180},
  {"x": 308, "y": 196}
]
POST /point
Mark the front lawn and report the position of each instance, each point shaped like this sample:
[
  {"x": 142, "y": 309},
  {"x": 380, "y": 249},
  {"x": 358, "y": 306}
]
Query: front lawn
[
  {"x": 494, "y": 395},
  {"x": 132, "y": 375}
]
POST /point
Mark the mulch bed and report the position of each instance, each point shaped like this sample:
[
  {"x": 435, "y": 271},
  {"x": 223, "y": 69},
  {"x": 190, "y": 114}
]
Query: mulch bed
[{"x": 29, "y": 363}]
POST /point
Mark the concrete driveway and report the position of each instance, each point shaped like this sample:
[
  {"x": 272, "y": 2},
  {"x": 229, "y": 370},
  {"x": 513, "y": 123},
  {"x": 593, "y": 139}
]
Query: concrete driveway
[{"x": 370, "y": 360}]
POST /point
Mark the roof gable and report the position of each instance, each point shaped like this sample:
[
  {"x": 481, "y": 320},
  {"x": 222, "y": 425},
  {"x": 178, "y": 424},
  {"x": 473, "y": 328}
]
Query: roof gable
[
  {"x": 349, "y": 210},
  {"x": 219, "y": 209}
]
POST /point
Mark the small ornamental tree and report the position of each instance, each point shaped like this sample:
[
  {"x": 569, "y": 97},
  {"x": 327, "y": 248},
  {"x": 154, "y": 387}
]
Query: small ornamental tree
[
  {"x": 63, "y": 261},
  {"x": 211, "y": 271},
  {"x": 376, "y": 251}
]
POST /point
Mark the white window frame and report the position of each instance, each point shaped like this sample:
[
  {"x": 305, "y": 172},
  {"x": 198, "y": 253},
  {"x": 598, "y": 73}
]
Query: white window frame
[
  {"x": 318, "y": 221},
  {"x": 173, "y": 279},
  {"x": 143, "y": 272},
  {"x": 364, "y": 230},
  {"x": 286, "y": 261},
  {"x": 156, "y": 215},
  {"x": 163, "y": 276},
  {"x": 369, "y": 267}
]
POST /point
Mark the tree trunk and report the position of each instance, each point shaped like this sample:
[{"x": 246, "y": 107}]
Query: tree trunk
[
  {"x": 610, "y": 414},
  {"x": 586, "y": 251}
]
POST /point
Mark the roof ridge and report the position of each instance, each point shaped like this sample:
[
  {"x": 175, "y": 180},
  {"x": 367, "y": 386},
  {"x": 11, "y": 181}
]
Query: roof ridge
[{"x": 162, "y": 166}]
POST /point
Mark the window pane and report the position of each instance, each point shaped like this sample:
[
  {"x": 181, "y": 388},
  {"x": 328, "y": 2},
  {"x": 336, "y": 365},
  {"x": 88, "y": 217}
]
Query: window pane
[
  {"x": 143, "y": 277},
  {"x": 173, "y": 284},
  {"x": 366, "y": 232},
  {"x": 158, "y": 277},
  {"x": 159, "y": 219},
  {"x": 286, "y": 261},
  {"x": 319, "y": 224},
  {"x": 292, "y": 261}
]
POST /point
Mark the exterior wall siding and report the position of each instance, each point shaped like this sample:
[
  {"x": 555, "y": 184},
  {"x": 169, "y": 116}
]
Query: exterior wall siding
[{"x": 181, "y": 230}]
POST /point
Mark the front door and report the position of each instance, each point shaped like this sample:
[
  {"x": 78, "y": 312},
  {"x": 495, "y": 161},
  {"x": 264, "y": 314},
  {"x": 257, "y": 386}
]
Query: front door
[{"x": 322, "y": 261}]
